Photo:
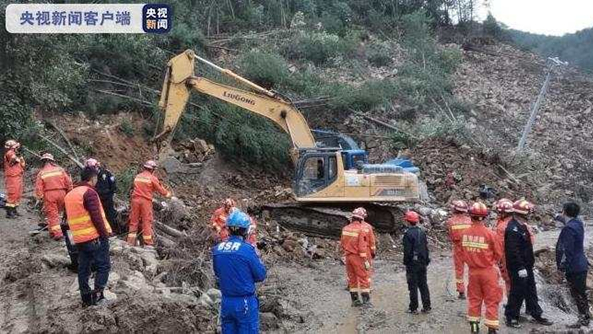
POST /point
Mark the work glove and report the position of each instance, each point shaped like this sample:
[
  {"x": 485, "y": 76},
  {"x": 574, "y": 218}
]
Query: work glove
[
  {"x": 522, "y": 273},
  {"x": 367, "y": 265},
  {"x": 174, "y": 198}
]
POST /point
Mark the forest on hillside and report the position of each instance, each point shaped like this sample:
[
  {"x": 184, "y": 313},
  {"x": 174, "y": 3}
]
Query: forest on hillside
[
  {"x": 286, "y": 45},
  {"x": 575, "y": 48}
]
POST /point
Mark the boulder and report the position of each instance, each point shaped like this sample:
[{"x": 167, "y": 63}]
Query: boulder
[
  {"x": 55, "y": 260},
  {"x": 136, "y": 282}
]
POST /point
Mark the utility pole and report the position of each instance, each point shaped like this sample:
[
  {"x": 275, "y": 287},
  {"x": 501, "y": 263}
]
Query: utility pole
[{"x": 553, "y": 63}]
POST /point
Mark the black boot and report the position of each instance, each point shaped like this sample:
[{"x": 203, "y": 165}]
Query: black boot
[
  {"x": 474, "y": 327},
  {"x": 355, "y": 301},
  {"x": 366, "y": 298},
  {"x": 583, "y": 321},
  {"x": 513, "y": 323},
  {"x": 492, "y": 330},
  {"x": 543, "y": 321},
  {"x": 88, "y": 299},
  {"x": 98, "y": 296},
  {"x": 461, "y": 296},
  {"x": 16, "y": 211},
  {"x": 10, "y": 213}
]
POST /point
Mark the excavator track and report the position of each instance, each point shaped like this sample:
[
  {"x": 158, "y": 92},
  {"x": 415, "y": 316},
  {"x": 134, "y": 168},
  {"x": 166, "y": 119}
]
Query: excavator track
[{"x": 328, "y": 220}]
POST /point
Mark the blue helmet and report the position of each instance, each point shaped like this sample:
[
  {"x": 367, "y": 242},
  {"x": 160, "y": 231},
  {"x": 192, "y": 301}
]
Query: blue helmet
[{"x": 239, "y": 219}]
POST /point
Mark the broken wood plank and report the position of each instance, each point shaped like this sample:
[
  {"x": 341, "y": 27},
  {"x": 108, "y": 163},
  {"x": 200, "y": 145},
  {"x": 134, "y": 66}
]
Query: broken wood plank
[{"x": 61, "y": 149}]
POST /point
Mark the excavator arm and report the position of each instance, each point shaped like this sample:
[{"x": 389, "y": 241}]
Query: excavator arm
[{"x": 180, "y": 80}]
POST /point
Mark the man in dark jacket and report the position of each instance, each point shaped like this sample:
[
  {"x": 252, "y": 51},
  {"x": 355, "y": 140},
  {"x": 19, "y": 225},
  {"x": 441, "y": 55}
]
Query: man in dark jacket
[
  {"x": 518, "y": 250},
  {"x": 106, "y": 188},
  {"x": 571, "y": 259},
  {"x": 416, "y": 259}
]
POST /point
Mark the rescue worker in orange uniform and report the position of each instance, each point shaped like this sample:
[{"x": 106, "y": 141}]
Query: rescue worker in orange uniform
[
  {"x": 145, "y": 184},
  {"x": 504, "y": 208},
  {"x": 458, "y": 222},
  {"x": 219, "y": 217},
  {"x": 482, "y": 251},
  {"x": 355, "y": 246},
  {"x": 14, "y": 168},
  {"x": 51, "y": 185},
  {"x": 90, "y": 233}
]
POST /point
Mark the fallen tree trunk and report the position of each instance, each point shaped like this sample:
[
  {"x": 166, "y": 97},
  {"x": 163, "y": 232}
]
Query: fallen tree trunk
[
  {"x": 78, "y": 163},
  {"x": 170, "y": 230}
]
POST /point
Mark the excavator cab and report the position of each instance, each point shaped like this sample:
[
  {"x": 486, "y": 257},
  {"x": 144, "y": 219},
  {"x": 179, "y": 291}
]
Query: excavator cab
[{"x": 315, "y": 171}]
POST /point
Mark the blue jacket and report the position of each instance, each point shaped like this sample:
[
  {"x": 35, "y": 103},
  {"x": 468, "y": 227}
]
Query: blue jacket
[
  {"x": 570, "y": 255},
  {"x": 237, "y": 267}
]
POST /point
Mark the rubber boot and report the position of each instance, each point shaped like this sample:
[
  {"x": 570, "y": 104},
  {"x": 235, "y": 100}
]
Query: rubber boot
[
  {"x": 474, "y": 327},
  {"x": 99, "y": 297},
  {"x": 366, "y": 299},
  {"x": 492, "y": 331},
  {"x": 16, "y": 211},
  {"x": 88, "y": 299},
  {"x": 355, "y": 301},
  {"x": 461, "y": 296},
  {"x": 10, "y": 213}
]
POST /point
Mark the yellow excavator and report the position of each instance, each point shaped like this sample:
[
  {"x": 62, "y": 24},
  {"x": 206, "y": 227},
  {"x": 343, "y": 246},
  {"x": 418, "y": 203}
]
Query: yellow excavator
[{"x": 328, "y": 181}]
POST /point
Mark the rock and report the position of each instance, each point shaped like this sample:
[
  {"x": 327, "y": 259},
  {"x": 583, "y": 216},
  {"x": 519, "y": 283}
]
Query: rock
[
  {"x": 268, "y": 321},
  {"x": 214, "y": 294},
  {"x": 172, "y": 166},
  {"x": 55, "y": 260},
  {"x": 136, "y": 282},
  {"x": 201, "y": 146},
  {"x": 110, "y": 296},
  {"x": 290, "y": 245},
  {"x": 113, "y": 279},
  {"x": 149, "y": 262},
  {"x": 182, "y": 298},
  {"x": 205, "y": 300}
]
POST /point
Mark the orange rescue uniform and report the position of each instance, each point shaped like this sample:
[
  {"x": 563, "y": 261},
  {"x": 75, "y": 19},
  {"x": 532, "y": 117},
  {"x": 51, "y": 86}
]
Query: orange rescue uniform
[
  {"x": 51, "y": 185},
  {"x": 372, "y": 249},
  {"x": 355, "y": 246},
  {"x": 501, "y": 226},
  {"x": 456, "y": 225},
  {"x": 482, "y": 252},
  {"x": 14, "y": 168},
  {"x": 145, "y": 184},
  {"x": 218, "y": 223}
]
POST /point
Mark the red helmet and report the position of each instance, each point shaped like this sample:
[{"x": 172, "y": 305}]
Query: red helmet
[
  {"x": 478, "y": 210},
  {"x": 229, "y": 203},
  {"x": 47, "y": 156},
  {"x": 523, "y": 207},
  {"x": 504, "y": 205},
  {"x": 93, "y": 163},
  {"x": 412, "y": 217},
  {"x": 359, "y": 213},
  {"x": 150, "y": 164},
  {"x": 459, "y": 206}
]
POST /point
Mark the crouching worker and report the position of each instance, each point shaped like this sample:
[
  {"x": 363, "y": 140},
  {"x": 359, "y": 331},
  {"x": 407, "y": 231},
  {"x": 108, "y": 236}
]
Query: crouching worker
[
  {"x": 237, "y": 268},
  {"x": 90, "y": 232}
]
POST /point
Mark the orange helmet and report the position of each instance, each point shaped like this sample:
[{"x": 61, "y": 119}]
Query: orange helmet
[
  {"x": 11, "y": 143},
  {"x": 229, "y": 203},
  {"x": 523, "y": 207},
  {"x": 478, "y": 210},
  {"x": 459, "y": 206},
  {"x": 47, "y": 156},
  {"x": 504, "y": 205},
  {"x": 93, "y": 163},
  {"x": 150, "y": 164},
  {"x": 360, "y": 213},
  {"x": 412, "y": 217}
]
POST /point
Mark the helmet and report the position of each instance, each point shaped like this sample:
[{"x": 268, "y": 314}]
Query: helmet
[
  {"x": 93, "y": 163},
  {"x": 150, "y": 164},
  {"x": 47, "y": 156},
  {"x": 459, "y": 206},
  {"x": 239, "y": 219},
  {"x": 504, "y": 205},
  {"x": 523, "y": 207},
  {"x": 229, "y": 203},
  {"x": 11, "y": 143},
  {"x": 412, "y": 217},
  {"x": 359, "y": 213},
  {"x": 478, "y": 210}
]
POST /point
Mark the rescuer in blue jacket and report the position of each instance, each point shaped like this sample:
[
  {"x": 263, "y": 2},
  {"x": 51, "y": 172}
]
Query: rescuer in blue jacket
[{"x": 237, "y": 268}]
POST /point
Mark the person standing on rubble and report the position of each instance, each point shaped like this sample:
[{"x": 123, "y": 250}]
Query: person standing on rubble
[
  {"x": 145, "y": 184},
  {"x": 106, "y": 188},
  {"x": 219, "y": 218},
  {"x": 416, "y": 260},
  {"x": 504, "y": 209},
  {"x": 237, "y": 268},
  {"x": 458, "y": 223},
  {"x": 354, "y": 242},
  {"x": 51, "y": 185},
  {"x": 518, "y": 248},
  {"x": 572, "y": 261},
  {"x": 14, "y": 168},
  {"x": 481, "y": 250},
  {"x": 90, "y": 233}
]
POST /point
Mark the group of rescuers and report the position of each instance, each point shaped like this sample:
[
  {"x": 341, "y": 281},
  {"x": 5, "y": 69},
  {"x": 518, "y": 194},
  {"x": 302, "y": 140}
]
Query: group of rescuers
[{"x": 506, "y": 251}]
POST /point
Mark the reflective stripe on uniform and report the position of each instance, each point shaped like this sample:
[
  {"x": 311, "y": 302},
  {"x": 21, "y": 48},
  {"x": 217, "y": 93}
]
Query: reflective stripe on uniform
[
  {"x": 354, "y": 289},
  {"x": 365, "y": 290},
  {"x": 55, "y": 228},
  {"x": 142, "y": 179},
  {"x": 51, "y": 174},
  {"x": 147, "y": 237},
  {"x": 84, "y": 231},
  {"x": 470, "y": 244},
  {"x": 10, "y": 205},
  {"x": 460, "y": 280},
  {"x": 78, "y": 220},
  {"x": 350, "y": 234},
  {"x": 472, "y": 319},
  {"x": 460, "y": 227},
  {"x": 363, "y": 254},
  {"x": 491, "y": 323}
]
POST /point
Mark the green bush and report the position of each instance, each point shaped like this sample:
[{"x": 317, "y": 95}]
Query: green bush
[
  {"x": 125, "y": 180},
  {"x": 370, "y": 95},
  {"x": 450, "y": 59},
  {"x": 266, "y": 69},
  {"x": 127, "y": 128},
  {"x": 320, "y": 47},
  {"x": 378, "y": 54}
]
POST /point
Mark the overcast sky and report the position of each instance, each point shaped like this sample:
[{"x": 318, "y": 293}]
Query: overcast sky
[{"x": 550, "y": 17}]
